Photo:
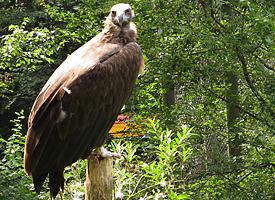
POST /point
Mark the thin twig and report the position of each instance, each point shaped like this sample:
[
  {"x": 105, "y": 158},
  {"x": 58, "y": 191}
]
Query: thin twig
[
  {"x": 132, "y": 194},
  {"x": 244, "y": 177}
]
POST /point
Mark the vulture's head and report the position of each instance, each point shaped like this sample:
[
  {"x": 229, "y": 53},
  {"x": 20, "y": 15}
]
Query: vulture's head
[{"x": 121, "y": 14}]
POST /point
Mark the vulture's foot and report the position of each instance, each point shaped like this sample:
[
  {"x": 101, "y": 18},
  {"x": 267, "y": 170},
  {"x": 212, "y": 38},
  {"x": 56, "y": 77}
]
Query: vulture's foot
[{"x": 104, "y": 153}]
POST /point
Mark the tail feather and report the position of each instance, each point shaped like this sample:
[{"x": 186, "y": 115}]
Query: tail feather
[
  {"x": 56, "y": 182},
  {"x": 38, "y": 182}
]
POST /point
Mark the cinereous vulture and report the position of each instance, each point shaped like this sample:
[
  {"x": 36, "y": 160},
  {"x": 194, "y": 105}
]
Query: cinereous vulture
[{"x": 78, "y": 105}]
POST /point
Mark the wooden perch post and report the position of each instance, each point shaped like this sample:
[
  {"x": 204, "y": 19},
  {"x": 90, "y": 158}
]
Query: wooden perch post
[{"x": 99, "y": 180}]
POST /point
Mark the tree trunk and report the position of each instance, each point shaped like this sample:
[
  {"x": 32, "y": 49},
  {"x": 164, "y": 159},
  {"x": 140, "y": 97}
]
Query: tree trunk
[
  {"x": 99, "y": 180},
  {"x": 169, "y": 95},
  {"x": 233, "y": 113}
]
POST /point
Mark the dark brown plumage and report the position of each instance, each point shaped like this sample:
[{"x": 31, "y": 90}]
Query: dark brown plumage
[{"x": 78, "y": 105}]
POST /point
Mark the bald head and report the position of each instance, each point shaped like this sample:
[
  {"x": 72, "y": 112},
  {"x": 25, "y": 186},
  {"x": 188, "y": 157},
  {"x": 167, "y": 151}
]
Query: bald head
[{"x": 121, "y": 14}]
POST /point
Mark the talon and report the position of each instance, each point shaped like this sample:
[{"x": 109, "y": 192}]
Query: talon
[{"x": 103, "y": 152}]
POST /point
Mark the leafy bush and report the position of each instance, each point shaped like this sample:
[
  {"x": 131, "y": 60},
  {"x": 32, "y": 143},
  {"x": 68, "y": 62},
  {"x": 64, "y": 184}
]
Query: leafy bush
[
  {"x": 153, "y": 167},
  {"x": 161, "y": 165},
  {"x": 14, "y": 184}
]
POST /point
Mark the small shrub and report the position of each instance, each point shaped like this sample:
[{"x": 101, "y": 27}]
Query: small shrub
[
  {"x": 153, "y": 167},
  {"x": 14, "y": 184}
]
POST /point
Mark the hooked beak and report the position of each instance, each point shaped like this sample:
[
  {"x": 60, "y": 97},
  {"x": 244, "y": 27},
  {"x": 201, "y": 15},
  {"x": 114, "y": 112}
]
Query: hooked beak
[{"x": 120, "y": 20}]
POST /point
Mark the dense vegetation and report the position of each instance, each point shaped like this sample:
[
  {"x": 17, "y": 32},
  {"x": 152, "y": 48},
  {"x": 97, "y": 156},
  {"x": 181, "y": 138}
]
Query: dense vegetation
[{"x": 208, "y": 93}]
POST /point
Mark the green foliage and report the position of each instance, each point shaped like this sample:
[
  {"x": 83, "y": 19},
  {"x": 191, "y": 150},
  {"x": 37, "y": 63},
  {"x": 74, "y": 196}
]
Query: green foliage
[
  {"x": 75, "y": 180},
  {"x": 14, "y": 183},
  {"x": 153, "y": 167}
]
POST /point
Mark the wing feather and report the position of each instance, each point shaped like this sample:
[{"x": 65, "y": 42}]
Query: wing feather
[{"x": 98, "y": 90}]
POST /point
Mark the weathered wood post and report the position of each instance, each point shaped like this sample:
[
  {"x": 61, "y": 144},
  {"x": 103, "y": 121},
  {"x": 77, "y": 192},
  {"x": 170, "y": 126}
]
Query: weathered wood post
[{"x": 99, "y": 180}]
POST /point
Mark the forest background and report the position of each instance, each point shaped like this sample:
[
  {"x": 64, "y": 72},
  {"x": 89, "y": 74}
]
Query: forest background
[{"x": 206, "y": 99}]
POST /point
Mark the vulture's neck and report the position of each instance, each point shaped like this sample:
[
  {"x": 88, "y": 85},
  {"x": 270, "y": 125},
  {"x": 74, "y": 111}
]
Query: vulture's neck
[{"x": 115, "y": 34}]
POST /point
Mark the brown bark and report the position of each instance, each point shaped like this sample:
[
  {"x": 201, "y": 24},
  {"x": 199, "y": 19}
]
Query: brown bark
[
  {"x": 169, "y": 95},
  {"x": 233, "y": 113}
]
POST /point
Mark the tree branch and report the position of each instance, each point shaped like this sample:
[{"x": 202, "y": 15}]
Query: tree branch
[
  {"x": 250, "y": 84},
  {"x": 264, "y": 63},
  {"x": 241, "y": 109}
]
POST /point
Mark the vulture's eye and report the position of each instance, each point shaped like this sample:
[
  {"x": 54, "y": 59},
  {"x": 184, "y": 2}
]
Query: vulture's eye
[
  {"x": 113, "y": 12},
  {"x": 127, "y": 11}
]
